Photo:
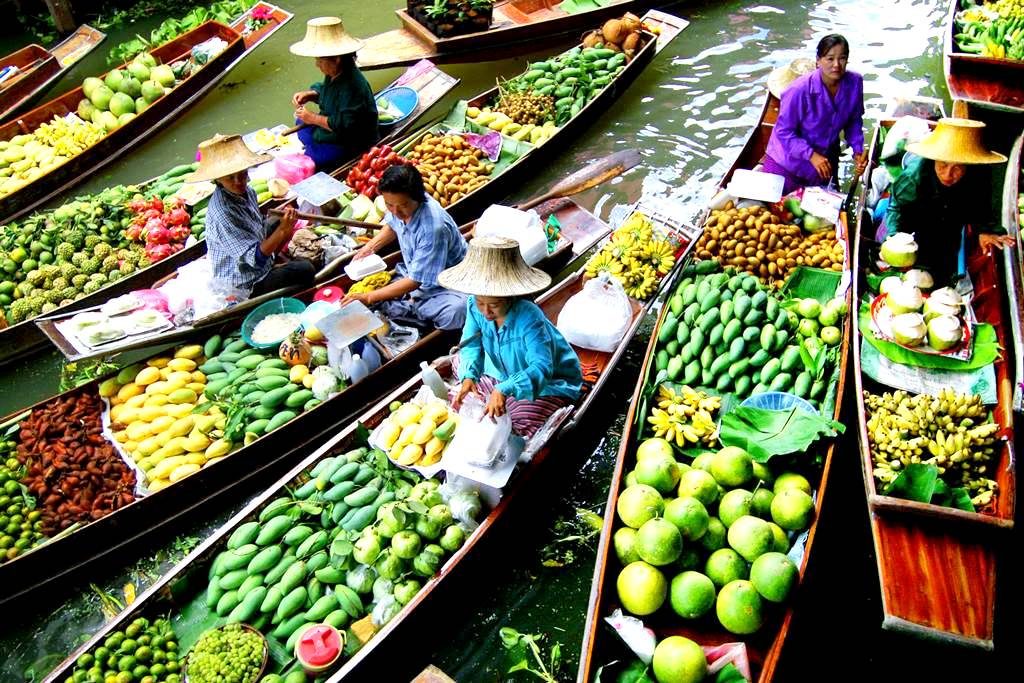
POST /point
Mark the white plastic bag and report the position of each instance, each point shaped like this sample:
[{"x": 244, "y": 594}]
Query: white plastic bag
[
  {"x": 596, "y": 318},
  {"x": 907, "y": 129},
  {"x": 525, "y": 227},
  {"x": 479, "y": 440}
]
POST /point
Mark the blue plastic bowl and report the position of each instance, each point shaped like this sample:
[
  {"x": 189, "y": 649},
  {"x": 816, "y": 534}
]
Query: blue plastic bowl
[
  {"x": 778, "y": 400},
  {"x": 282, "y": 305},
  {"x": 402, "y": 98}
]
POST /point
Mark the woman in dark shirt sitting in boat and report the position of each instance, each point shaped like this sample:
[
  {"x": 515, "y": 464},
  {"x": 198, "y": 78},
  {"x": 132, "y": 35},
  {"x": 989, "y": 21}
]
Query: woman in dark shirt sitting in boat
[{"x": 347, "y": 123}]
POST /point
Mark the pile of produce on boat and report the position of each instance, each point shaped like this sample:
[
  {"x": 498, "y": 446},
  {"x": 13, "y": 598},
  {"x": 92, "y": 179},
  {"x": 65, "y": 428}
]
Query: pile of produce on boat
[
  {"x": 623, "y": 35},
  {"x": 991, "y": 29},
  {"x": 143, "y": 651},
  {"x": 366, "y": 174},
  {"x": 224, "y": 12},
  {"x": 760, "y": 240},
  {"x": 451, "y": 167},
  {"x": 417, "y": 435},
  {"x": 22, "y": 526},
  {"x": 636, "y": 255}
]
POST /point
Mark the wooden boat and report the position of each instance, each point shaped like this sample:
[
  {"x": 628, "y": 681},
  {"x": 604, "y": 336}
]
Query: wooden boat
[
  {"x": 475, "y": 202},
  {"x": 31, "y": 572},
  {"x": 992, "y": 82},
  {"x": 517, "y": 26},
  {"x": 25, "y": 338},
  {"x": 1013, "y": 266},
  {"x": 765, "y": 647},
  {"x": 276, "y": 18},
  {"x": 39, "y": 68},
  {"x": 362, "y": 662},
  {"x": 950, "y": 555}
]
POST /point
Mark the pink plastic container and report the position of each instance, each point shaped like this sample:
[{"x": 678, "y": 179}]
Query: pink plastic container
[{"x": 294, "y": 167}]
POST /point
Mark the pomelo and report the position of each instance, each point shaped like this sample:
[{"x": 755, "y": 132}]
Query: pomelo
[
  {"x": 642, "y": 588},
  {"x": 774, "y": 575},
  {"x": 658, "y": 470},
  {"x": 791, "y": 480},
  {"x": 792, "y": 509},
  {"x": 703, "y": 462},
  {"x": 750, "y": 536},
  {"x": 714, "y": 537},
  {"x": 690, "y": 559},
  {"x": 100, "y": 97},
  {"x": 624, "y": 541},
  {"x": 147, "y": 59},
  {"x": 630, "y": 478},
  {"x": 761, "y": 503},
  {"x": 689, "y": 515},
  {"x": 691, "y": 595},
  {"x": 90, "y": 84},
  {"x": 732, "y": 466},
  {"x": 113, "y": 79},
  {"x": 85, "y": 110},
  {"x": 125, "y": 118},
  {"x": 638, "y": 504},
  {"x": 658, "y": 542},
  {"x": 130, "y": 86},
  {"x": 679, "y": 660},
  {"x": 163, "y": 75},
  {"x": 139, "y": 70},
  {"x": 141, "y": 105},
  {"x": 152, "y": 91},
  {"x": 725, "y": 565},
  {"x": 739, "y": 608},
  {"x": 780, "y": 541},
  {"x": 654, "y": 446},
  {"x": 734, "y": 504},
  {"x": 121, "y": 104},
  {"x": 700, "y": 485},
  {"x": 763, "y": 473}
]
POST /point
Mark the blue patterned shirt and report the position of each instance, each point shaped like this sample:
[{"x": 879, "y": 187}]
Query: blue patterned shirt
[
  {"x": 234, "y": 231},
  {"x": 430, "y": 242},
  {"x": 527, "y": 355}
]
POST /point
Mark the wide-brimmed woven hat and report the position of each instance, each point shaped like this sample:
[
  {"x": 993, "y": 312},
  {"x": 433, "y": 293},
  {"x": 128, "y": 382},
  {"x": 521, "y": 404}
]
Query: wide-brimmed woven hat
[
  {"x": 223, "y": 155},
  {"x": 780, "y": 78},
  {"x": 956, "y": 141},
  {"x": 494, "y": 267},
  {"x": 326, "y": 37}
]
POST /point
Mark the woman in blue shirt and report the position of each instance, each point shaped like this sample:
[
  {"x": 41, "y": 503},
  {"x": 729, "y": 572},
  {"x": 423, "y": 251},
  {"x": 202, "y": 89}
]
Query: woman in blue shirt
[{"x": 512, "y": 356}]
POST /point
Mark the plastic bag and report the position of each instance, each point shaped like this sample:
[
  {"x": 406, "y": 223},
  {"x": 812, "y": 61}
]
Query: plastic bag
[
  {"x": 398, "y": 338},
  {"x": 463, "y": 500},
  {"x": 906, "y": 129},
  {"x": 336, "y": 245},
  {"x": 524, "y": 227},
  {"x": 479, "y": 440},
  {"x": 385, "y": 610},
  {"x": 597, "y": 317},
  {"x": 640, "y": 639},
  {"x": 294, "y": 167}
]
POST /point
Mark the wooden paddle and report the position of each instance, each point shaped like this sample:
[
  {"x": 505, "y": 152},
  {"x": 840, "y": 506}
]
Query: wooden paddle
[
  {"x": 334, "y": 220},
  {"x": 589, "y": 176}
]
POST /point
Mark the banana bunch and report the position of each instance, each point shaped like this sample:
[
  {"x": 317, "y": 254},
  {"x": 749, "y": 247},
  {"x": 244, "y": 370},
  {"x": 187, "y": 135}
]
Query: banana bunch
[
  {"x": 685, "y": 417},
  {"x": 635, "y": 256},
  {"x": 370, "y": 283},
  {"x": 948, "y": 430}
]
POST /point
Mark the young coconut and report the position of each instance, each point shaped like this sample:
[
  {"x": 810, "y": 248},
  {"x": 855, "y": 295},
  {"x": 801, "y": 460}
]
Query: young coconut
[
  {"x": 944, "y": 332},
  {"x": 905, "y": 299},
  {"x": 899, "y": 250},
  {"x": 909, "y": 329},
  {"x": 890, "y": 283},
  {"x": 921, "y": 279}
]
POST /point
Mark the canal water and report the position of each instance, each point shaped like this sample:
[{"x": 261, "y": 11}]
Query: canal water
[{"x": 688, "y": 114}]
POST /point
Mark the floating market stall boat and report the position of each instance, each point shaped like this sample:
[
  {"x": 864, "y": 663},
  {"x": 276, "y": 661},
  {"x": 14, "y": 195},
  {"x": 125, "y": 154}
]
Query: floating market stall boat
[
  {"x": 339, "y": 523},
  {"x": 1013, "y": 265},
  {"x": 938, "y": 470},
  {"x": 31, "y": 70},
  {"x": 22, "y": 337},
  {"x": 984, "y": 57},
  {"x": 272, "y": 18},
  {"x": 517, "y": 26},
  {"x": 87, "y": 540},
  {"x": 116, "y": 137},
  {"x": 684, "y": 374}
]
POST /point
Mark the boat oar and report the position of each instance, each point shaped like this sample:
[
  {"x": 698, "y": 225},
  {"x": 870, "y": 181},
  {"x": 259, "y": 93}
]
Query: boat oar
[
  {"x": 334, "y": 220},
  {"x": 589, "y": 176}
]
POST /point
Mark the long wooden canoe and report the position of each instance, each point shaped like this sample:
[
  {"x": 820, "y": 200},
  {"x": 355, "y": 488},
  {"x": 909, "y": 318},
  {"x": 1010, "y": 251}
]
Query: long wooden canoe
[
  {"x": 25, "y": 338},
  {"x": 517, "y": 26},
  {"x": 276, "y": 18},
  {"x": 1013, "y": 266},
  {"x": 989, "y": 81},
  {"x": 50, "y": 562},
  {"x": 39, "y": 68},
  {"x": 765, "y": 647},
  {"x": 937, "y": 565},
  {"x": 361, "y": 663}
]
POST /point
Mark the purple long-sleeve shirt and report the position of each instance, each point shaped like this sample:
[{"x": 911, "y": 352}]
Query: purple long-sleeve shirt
[{"x": 810, "y": 120}]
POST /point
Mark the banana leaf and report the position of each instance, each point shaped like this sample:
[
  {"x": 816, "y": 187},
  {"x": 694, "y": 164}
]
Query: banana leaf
[
  {"x": 767, "y": 433},
  {"x": 920, "y": 482}
]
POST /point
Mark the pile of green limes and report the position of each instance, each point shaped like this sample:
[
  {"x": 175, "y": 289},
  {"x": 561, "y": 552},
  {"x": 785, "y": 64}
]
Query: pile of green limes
[
  {"x": 21, "y": 525},
  {"x": 142, "y": 653}
]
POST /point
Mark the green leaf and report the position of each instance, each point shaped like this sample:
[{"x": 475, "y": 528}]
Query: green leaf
[
  {"x": 509, "y": 636},
  {"x": 730, "y": 674},
  {"x": 362, "y": 435},
  {"x": 521, "y": 665},
  {"x": 917, "y": 482},
  {"x": 767, "y": 433},
  {"x": 341, "y": 547},
  {"x": 556, "y": 657}
]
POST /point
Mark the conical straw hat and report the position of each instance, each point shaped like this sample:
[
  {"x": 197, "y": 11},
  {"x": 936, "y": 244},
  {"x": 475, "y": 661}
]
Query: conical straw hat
[
  {"x": 326, "y": 37},
  {"x": 223, "y": 155},
  {"x": 956, "y": 141},
  {"x": 780, "y": 78},
  {"x": 494, "y": 267}
]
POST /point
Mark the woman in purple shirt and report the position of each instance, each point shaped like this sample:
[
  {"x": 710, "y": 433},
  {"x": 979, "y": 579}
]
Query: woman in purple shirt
[{"x": 815, "y": 109}]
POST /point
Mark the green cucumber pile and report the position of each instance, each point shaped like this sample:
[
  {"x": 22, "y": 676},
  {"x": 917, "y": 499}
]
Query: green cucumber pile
[{"x": 573, "y": 78}]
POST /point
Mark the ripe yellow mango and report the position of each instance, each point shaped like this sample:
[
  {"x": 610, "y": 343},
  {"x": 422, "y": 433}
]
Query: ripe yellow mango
[
  {"x": 423, "y": 432},
  {"x": 182, "y": 471},
  {"x": 147, "y": 376},
  {"x": 150, "y": 413},
  {"x": 137, "y": 401},
  {"x": 152, "y": 400},
  {"x": 129, "y": 390},
  {"x": 160, "y": 362},
  {"x": 192, "y": 352},
  {"x": 410, "y": 454},
  {"x": 408, "y": 414},
  {"x": 181, "y": 364}
]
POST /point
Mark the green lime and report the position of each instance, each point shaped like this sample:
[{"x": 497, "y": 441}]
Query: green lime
[
  {"x": 45, "y": 257},
  {"x": 18, "y": 254}
]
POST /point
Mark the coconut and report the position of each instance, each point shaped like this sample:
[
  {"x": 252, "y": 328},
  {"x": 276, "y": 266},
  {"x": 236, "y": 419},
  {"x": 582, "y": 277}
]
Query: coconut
[
  {"x": 613, "y": 31},
  {"x": 921, "y": 279},
  {"x": 944, "y": 332},
  {"x": 899, "y": 250},
  {"x": 631, "y": 22},
  {"x": 948, "y": 296},
  {"x": 631, "y": 43},
  {"x": 904, "y": 299},
  {"x": 592, "y": 38},
  {"x": 890, "y": 283},
  {"x": 909, "y": 329}
]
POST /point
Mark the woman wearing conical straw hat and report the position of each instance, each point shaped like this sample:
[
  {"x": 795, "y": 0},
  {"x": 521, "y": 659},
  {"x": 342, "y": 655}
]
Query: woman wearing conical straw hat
[
  {"x": 239, "y": 242},
  {"x": 938, "y": 193},
  {"x": 512, "y": 356},
  {"x": 347, "y": 123}
]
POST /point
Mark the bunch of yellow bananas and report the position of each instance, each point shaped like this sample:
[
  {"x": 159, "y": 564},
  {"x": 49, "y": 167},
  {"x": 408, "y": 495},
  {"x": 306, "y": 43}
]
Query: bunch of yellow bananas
[
  {"x": 370, "y": 283},
  {"x": 635, "y": 256},
  {"x": 685, "y": 417}
]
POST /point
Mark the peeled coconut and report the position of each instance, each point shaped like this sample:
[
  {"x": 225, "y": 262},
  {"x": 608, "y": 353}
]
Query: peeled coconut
[
  {"x": 921, "y": 279},
  {"x": 278, "y": 187},
  {"x": 944, "y": 332},
  {"x": 890, "y": 283},
  {"x": 899, "y": 250},
  {"x": 909, "y": 329},
  {"x": 904, "y": 299},
  {"x": 943, "y": 301}
]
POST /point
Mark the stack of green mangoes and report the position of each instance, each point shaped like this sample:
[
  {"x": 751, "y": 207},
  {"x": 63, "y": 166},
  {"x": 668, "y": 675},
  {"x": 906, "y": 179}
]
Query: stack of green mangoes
[
  {"x": 724, "y": 331},
  {"x": 141, "y": 652}
]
